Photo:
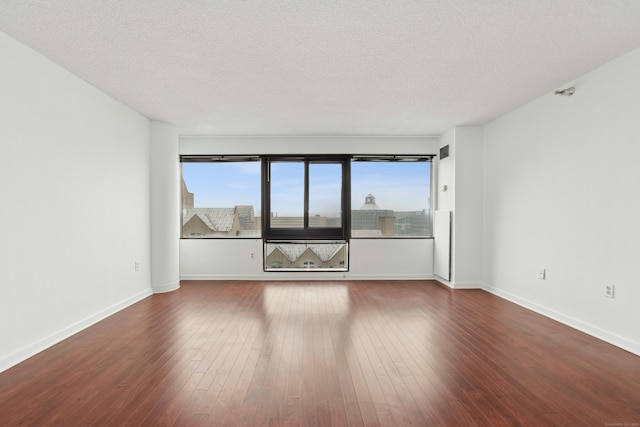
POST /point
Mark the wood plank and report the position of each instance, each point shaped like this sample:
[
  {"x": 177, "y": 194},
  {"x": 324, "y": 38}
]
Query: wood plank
[{"x": 357, "y": 353}]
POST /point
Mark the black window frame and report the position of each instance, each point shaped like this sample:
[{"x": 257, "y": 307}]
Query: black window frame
[
  {"x": 212, "y": 158},
  {"x": 342, "y": 233},
  {"x": 400, "y": 158},
  {"x": 306, "y": 232}
]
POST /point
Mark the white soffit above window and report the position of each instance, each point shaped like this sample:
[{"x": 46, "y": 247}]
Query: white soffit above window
[{"x": 346, "y": 67}]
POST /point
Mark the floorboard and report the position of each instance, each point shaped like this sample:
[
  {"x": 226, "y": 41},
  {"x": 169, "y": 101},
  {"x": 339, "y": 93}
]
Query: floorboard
[{"x": 356, "y": 353}]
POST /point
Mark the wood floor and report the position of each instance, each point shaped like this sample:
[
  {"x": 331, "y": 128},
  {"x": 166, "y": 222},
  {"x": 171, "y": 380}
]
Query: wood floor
[{"x": 321, "y": 354}]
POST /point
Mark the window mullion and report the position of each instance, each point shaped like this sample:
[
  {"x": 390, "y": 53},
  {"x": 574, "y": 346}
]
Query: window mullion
[{"x": 306, "y": 195}]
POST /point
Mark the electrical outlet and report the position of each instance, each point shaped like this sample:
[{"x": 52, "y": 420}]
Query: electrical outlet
[
  {"x": 252, "y": 255},
  {"x": 608, "y": 291},
  {"x": 136, "y": 266},
  {"x": 542, "y": 274}
]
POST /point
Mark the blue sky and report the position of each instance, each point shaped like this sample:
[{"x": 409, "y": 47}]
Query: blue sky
[{"x": 395, "y": 185}]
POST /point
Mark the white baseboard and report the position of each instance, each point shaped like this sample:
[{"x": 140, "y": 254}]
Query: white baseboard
[
  {"x": 443, "y": 281},
  {"x": 280, "y": 277},
  {"x": 458, "y": 285},
  {"x": 24, "y": 353},
  {"x": 167, "y": 287},
  {"x": 311, "y": 276},
  {"x": 391, "y": 277},
  {"x": 467, "y": 285},
  {"x": 611, "y": 338}
]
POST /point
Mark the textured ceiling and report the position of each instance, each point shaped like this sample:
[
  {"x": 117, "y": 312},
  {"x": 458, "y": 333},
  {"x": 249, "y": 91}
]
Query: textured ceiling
[{"x": 311, "y": 67}]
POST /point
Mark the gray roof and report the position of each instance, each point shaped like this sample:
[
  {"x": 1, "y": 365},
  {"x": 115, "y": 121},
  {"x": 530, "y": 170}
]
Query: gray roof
[
  {"x": 217, "y": 219},
  {"x": 292, "y": 251}
]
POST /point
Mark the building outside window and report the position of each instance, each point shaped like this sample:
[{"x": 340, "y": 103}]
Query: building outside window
[
  {"x": 221, "y": 198},
  {"x": 393, "y": 195},
  {"x": 305, "y": 199}
]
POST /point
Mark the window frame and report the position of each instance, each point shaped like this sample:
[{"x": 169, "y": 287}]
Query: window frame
[
  {"x": 207, "y": 158},
  {"x": 307, "y": 232},
  {"x": 400, "y": 158},
  {"x": 344, "y": 232}
]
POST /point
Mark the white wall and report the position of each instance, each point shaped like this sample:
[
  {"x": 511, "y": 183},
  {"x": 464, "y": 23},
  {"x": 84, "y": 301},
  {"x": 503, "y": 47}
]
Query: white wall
[
  {"x": 467, "y": 244},
  {"x": 561, "y": 192},
  {"x": 369, "y": 258},
  {"x": 461, "y": 173},
  {"x": 384, "y": 145},
  {"x": 74, "y": 180},
  {"x": 372, "y": 259},
  {"x": 444, "y": 199},
  {"x": 165, "y": 208}
]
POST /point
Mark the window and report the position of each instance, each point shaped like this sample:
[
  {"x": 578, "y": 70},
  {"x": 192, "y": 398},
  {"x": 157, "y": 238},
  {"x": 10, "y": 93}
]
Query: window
[
  {"x": 391, "y": 196},
  {"x": 287, "y": 195},
  {"x": 221, "y": 197},
  {"x": 306, "y": 197},
  {"x": 301, "y": 255}
]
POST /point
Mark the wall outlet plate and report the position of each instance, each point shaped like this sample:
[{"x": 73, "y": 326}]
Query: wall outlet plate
[
  {"x": 608, "y": 291},
  {"x": 542, "y": 274}
]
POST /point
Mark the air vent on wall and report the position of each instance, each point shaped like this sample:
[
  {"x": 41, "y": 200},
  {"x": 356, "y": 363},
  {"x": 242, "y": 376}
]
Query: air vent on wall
[{"x": 444, "y": 152}]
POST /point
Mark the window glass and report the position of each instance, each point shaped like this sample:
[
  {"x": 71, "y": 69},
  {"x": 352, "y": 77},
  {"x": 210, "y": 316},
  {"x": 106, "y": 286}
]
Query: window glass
[
  {"x": 287, "y": 194},
  {"x": 221, "y": 199},
  {"x": 325, "y": 195},
  {"x": 390, "y": 199},
  {"x": 314, "y": 255},
  {"x": 305, "y": 197}
]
